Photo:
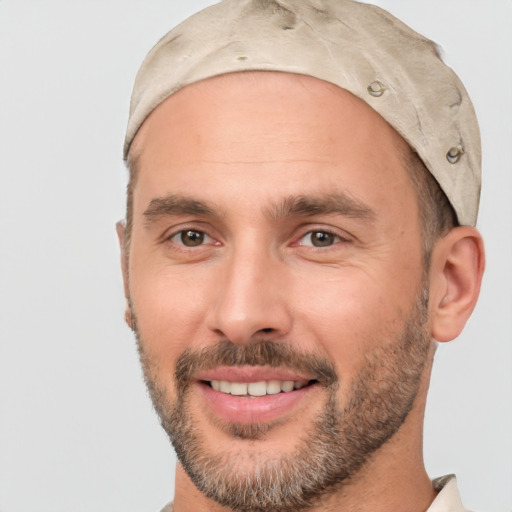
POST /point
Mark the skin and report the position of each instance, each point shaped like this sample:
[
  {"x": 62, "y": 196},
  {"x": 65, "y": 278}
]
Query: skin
[{"x": 242, "y": 144}]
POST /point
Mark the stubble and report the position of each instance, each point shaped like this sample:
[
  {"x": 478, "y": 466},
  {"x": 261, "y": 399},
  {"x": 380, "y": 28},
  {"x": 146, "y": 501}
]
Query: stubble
[{"x": 330, "y": 451}]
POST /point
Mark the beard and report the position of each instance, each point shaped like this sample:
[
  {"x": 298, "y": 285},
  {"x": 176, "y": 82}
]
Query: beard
[{"x": 329, "y": 453}]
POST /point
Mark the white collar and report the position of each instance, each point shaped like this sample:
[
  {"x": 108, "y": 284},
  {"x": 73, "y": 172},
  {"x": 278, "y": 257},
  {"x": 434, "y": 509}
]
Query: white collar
[{"x": 448, "y": 499}]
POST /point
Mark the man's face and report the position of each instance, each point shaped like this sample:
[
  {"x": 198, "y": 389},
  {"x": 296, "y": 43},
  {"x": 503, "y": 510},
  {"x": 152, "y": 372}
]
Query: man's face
[{"x": 276, "y": 251}]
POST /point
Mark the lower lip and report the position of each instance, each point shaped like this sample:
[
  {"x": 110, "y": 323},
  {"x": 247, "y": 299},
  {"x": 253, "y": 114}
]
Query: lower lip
[{"x": 245, "y": 411}]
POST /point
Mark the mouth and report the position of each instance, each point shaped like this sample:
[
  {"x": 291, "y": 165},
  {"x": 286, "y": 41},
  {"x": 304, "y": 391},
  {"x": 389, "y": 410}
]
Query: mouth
[{"x": 250, "y": 395}]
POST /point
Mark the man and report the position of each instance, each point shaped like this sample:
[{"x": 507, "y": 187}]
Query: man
[{"x": 304, "y": 182}]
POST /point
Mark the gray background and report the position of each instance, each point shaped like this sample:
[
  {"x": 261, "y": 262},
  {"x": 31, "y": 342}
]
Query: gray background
[{"x": 77, "y": 432}]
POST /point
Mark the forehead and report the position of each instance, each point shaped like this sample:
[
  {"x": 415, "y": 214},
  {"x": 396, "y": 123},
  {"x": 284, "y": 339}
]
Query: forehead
[{"x": 271, "y": 126}]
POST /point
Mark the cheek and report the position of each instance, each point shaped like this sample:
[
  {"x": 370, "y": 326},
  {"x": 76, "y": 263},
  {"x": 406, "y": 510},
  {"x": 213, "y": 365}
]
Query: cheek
[
  {"x": 169, "y": 305},
  {"x": 351, "y": 314}
]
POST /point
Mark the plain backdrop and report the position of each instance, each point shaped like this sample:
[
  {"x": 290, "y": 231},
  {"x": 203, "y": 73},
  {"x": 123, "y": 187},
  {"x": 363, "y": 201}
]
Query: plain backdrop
[{"x": 77, "y": 431}]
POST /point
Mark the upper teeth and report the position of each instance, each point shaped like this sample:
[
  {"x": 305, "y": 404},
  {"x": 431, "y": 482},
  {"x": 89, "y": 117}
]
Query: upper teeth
[{"x": 261, "y": 388}]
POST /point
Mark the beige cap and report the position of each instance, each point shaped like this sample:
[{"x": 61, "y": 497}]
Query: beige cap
[{"x": 356, "y": 46}]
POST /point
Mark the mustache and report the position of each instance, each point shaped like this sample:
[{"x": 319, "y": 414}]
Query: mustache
[{"x": 255, "y": 353}]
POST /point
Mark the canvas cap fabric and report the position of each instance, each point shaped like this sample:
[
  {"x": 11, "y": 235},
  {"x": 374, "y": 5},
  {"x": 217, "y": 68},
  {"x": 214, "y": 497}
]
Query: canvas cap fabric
[{"x": 356, "y": 46}]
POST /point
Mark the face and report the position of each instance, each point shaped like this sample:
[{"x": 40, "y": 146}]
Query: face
[{"x": 276, "y": 285}]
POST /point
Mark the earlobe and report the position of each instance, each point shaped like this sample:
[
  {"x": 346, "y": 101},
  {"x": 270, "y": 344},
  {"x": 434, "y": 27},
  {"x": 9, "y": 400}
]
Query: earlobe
[
  {"x": 128, "y": 318},
  {"x": 458, "y": 262}
]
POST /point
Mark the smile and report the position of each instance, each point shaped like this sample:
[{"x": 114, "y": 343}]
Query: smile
[
  {"x": 254, "y": 394},
  {"x": 256, "y": 389}
]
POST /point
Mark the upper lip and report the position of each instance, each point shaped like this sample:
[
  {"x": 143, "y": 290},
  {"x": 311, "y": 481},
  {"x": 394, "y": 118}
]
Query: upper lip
[{"x": 251, "y": 374}]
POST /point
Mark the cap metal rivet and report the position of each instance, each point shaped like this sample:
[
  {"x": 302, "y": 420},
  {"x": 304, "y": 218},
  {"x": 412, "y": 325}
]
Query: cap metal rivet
[
  {"x": 454, "y": 154},
  {"x": 376, "y": 89}
]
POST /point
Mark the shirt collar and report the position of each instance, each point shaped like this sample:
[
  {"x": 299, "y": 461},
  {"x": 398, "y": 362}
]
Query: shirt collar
[{"x": 448, "y": 499}]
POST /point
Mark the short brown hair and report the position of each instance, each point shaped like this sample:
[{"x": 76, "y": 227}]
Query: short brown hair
[{"x": 436, "y": 214}]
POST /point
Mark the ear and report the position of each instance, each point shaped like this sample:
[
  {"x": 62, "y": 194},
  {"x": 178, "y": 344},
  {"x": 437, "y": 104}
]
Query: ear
[
  {"x": 120, "y": 229},
  {"x": 457, "y": 266}
]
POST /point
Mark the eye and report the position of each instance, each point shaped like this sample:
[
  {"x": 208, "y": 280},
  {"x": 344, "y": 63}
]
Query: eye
[
  {"x": 319, "y": 239},
  {"x": 191, "y": 238}
]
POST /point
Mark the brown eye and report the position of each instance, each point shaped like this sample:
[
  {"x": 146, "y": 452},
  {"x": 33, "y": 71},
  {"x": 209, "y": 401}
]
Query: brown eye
[
  {"x": 322, "y": 239},
  {"x": 190, "y": 238},
  {"x": 319, "y": 239}
]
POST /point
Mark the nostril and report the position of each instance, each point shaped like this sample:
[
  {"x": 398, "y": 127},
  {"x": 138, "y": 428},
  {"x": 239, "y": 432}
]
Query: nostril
[{"x": 266, "y": 330}]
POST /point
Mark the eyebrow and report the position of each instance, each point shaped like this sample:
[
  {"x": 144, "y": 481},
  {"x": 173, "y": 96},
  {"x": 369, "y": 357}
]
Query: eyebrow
[
  {"x": 338, "y": 203},
  {"x": 172, "y": 205},
  {"x": 290, "y": 206}
]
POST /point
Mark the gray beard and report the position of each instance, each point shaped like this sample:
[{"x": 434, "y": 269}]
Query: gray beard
[{"x": 330, "y": 452}]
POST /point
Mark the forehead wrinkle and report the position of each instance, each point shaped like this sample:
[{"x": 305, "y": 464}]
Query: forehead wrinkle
[
  {"x": 173, "y": 204},
  {"x": 307, "y": 205}
]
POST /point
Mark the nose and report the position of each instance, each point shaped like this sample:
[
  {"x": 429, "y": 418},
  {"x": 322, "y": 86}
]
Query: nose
[{"x": 250, "y": 298}]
